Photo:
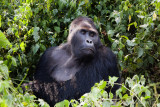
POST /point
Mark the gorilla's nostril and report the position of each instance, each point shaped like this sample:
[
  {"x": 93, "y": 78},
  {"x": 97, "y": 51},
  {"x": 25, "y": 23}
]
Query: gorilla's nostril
[{"x": 89, "y": 41}]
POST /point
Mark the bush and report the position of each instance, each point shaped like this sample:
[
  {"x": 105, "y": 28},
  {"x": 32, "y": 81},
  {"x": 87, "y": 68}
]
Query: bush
[
  {"x": 28, "y": 27},
  {"x": 132, "y": 93}
]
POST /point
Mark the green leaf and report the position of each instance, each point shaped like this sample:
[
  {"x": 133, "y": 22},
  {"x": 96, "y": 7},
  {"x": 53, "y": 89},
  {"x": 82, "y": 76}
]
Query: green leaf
[
  {"x": 120, "y": 54},
  {"x": 125, "y": 7},
  {"x": 14, "y": 61},
  {"x": 147, "y": 97},
  {"x": 4, "y": 70},
  {"x": 140, "y": 52},
  {"x": 150, "y": 44},
  {"x": 114, "y": 44},
  {"x": 112, "y": 80},
  {"x": 42, "y": 103},
  {"x": 0, "y": 21},
  {"x": 35, "y": 34},
  {"x": 102, "y": 84},
  {"x": 130, "y": 43},
  {"x": 111, "y": 32},
  {"x": 99, "y": 7},
  {"x": 1, "y": 62},
  {"x": 125, "y": 96},
  {"x": 144, "y": 26},
  {"x": 151, "y": 60},
  {"x": 110, "y": 95},
  {"x": 55, "y": 11},
  {"x": 95, "y": 92},
  {"x": 64, "y": 103},
  {"x": 4, "y": 85},
  {"x": 35, "y": 48},
  {"x": 118, "y": 20},
  {"x": 57, "y": 29},
  {"x": 22, "y": 46},
  {"x": 159, "y": 50},
  {"x": 3, "y": 40},
  {"x": 3, "y": 103},
  {"x": 106, "y": 104},
  {"x": 126, "y": 57},
  {"x": 140, "y": 16},
  {"x": 54, "y": 21}
]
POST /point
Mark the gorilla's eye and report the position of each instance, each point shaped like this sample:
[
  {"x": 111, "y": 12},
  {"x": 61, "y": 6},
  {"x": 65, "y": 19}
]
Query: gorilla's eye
[
  {"x": 83, "y": 31},
  {"x": 92, "y": 34}
]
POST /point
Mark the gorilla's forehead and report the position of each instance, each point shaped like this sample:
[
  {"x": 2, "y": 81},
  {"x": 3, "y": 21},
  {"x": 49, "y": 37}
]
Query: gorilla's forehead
[{"x": 87, "y": 26}]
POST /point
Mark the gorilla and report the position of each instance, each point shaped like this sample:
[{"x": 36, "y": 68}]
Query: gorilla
[{"x": 70, "y": 70}]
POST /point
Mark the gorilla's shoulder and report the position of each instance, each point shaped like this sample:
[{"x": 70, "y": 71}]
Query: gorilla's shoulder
[
  {"x": 106, "y": 52},
  {"x": 57, "y": 53},
  {"x": 57, "y": 49}
]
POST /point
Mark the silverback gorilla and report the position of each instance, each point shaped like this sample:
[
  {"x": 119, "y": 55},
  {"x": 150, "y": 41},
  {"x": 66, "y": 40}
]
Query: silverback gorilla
[{"x": 70, "y": 70}]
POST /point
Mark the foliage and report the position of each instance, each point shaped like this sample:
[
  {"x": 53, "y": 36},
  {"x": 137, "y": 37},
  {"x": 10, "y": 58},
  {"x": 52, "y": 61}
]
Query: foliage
[
  {"x": 132, "y": 93},
  {"x": 11, "y": 96},
  {"x": 130, "y": 27}
]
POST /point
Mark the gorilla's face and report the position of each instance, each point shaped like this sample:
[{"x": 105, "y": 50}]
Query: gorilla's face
[{"x": 85, "y": 42}]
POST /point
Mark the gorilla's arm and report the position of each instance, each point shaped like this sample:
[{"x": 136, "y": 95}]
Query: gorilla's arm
[
  {"x": 46, "y": 64},
  {"x": 111, "y": 67},
  {"x": 52, "y": 63}
]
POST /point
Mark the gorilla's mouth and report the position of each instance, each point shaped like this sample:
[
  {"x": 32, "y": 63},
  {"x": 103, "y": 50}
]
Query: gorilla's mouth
[{"x": 88, "y": 50}]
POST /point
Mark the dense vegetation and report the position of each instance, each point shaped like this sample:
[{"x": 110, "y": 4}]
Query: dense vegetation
[{"x": 130, "y": 27}]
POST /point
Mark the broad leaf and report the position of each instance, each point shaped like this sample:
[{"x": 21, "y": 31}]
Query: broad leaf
[
  {"x": 140, "y": 52},
  {"x": 35, "y": 34},
  {"x": 3, "y": 40}
]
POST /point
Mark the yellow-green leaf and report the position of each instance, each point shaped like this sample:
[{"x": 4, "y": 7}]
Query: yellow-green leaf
[
  {"x": 22, "y": 46},
  {"x": 3, "y": 40}
]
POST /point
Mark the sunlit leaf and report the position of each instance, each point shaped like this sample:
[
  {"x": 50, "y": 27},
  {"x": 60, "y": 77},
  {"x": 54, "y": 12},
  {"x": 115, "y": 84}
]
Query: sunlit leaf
[
  {"x": 22, "y": 46},
  {"x": 118, "y": 20},
  {"x": 4, "y": 70},
  {"x": 35, "y": 34},
  {"x": 129, "y": 18},
  {"x": 112, "y": 80},
  {"x": 144, "y": 26},
  {"x": 130, "y": 43},
  {"x": 102, "y": 84},
  {"x": 42, "y": 103},
  {"x": 64, "y": 103},
  {"x": 125, "y": 7},
  {"x": 3, "y": 40},
  {"x": 106, "y": 104},
  {"x": 24, "y": 103},
  {"x": 140, "y": 16},
  {"x": 0, "y": 21},
  {"x": 110, "y": 95},
  {"x": 111, "y": 32},
  {"x": 154, "y": 16}
]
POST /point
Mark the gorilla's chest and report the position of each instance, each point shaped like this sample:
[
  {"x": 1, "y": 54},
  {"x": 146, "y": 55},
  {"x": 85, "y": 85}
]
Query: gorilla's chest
[
  {"x": 89, "y": 72},
  {"x": 63, "y": 73}
]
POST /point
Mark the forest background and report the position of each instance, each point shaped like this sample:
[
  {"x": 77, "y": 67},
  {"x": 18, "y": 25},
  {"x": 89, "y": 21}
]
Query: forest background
[{"x": 131, "y": 28}]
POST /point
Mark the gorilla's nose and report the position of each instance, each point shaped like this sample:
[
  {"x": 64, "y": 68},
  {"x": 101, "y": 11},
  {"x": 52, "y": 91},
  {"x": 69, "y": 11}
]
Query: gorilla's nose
[{"x": 89, "y": 42}]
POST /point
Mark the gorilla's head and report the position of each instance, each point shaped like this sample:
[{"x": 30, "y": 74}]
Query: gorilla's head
[{"x": 83, "y": 37}]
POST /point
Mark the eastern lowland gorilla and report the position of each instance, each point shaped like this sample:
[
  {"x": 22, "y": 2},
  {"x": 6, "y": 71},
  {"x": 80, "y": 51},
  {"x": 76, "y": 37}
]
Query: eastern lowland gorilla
[{"x": 71, "y": 69}]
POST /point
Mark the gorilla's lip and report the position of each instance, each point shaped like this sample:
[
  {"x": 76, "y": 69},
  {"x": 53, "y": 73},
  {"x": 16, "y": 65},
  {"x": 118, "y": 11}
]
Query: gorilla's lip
[{"x": 88, "y": 49}]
